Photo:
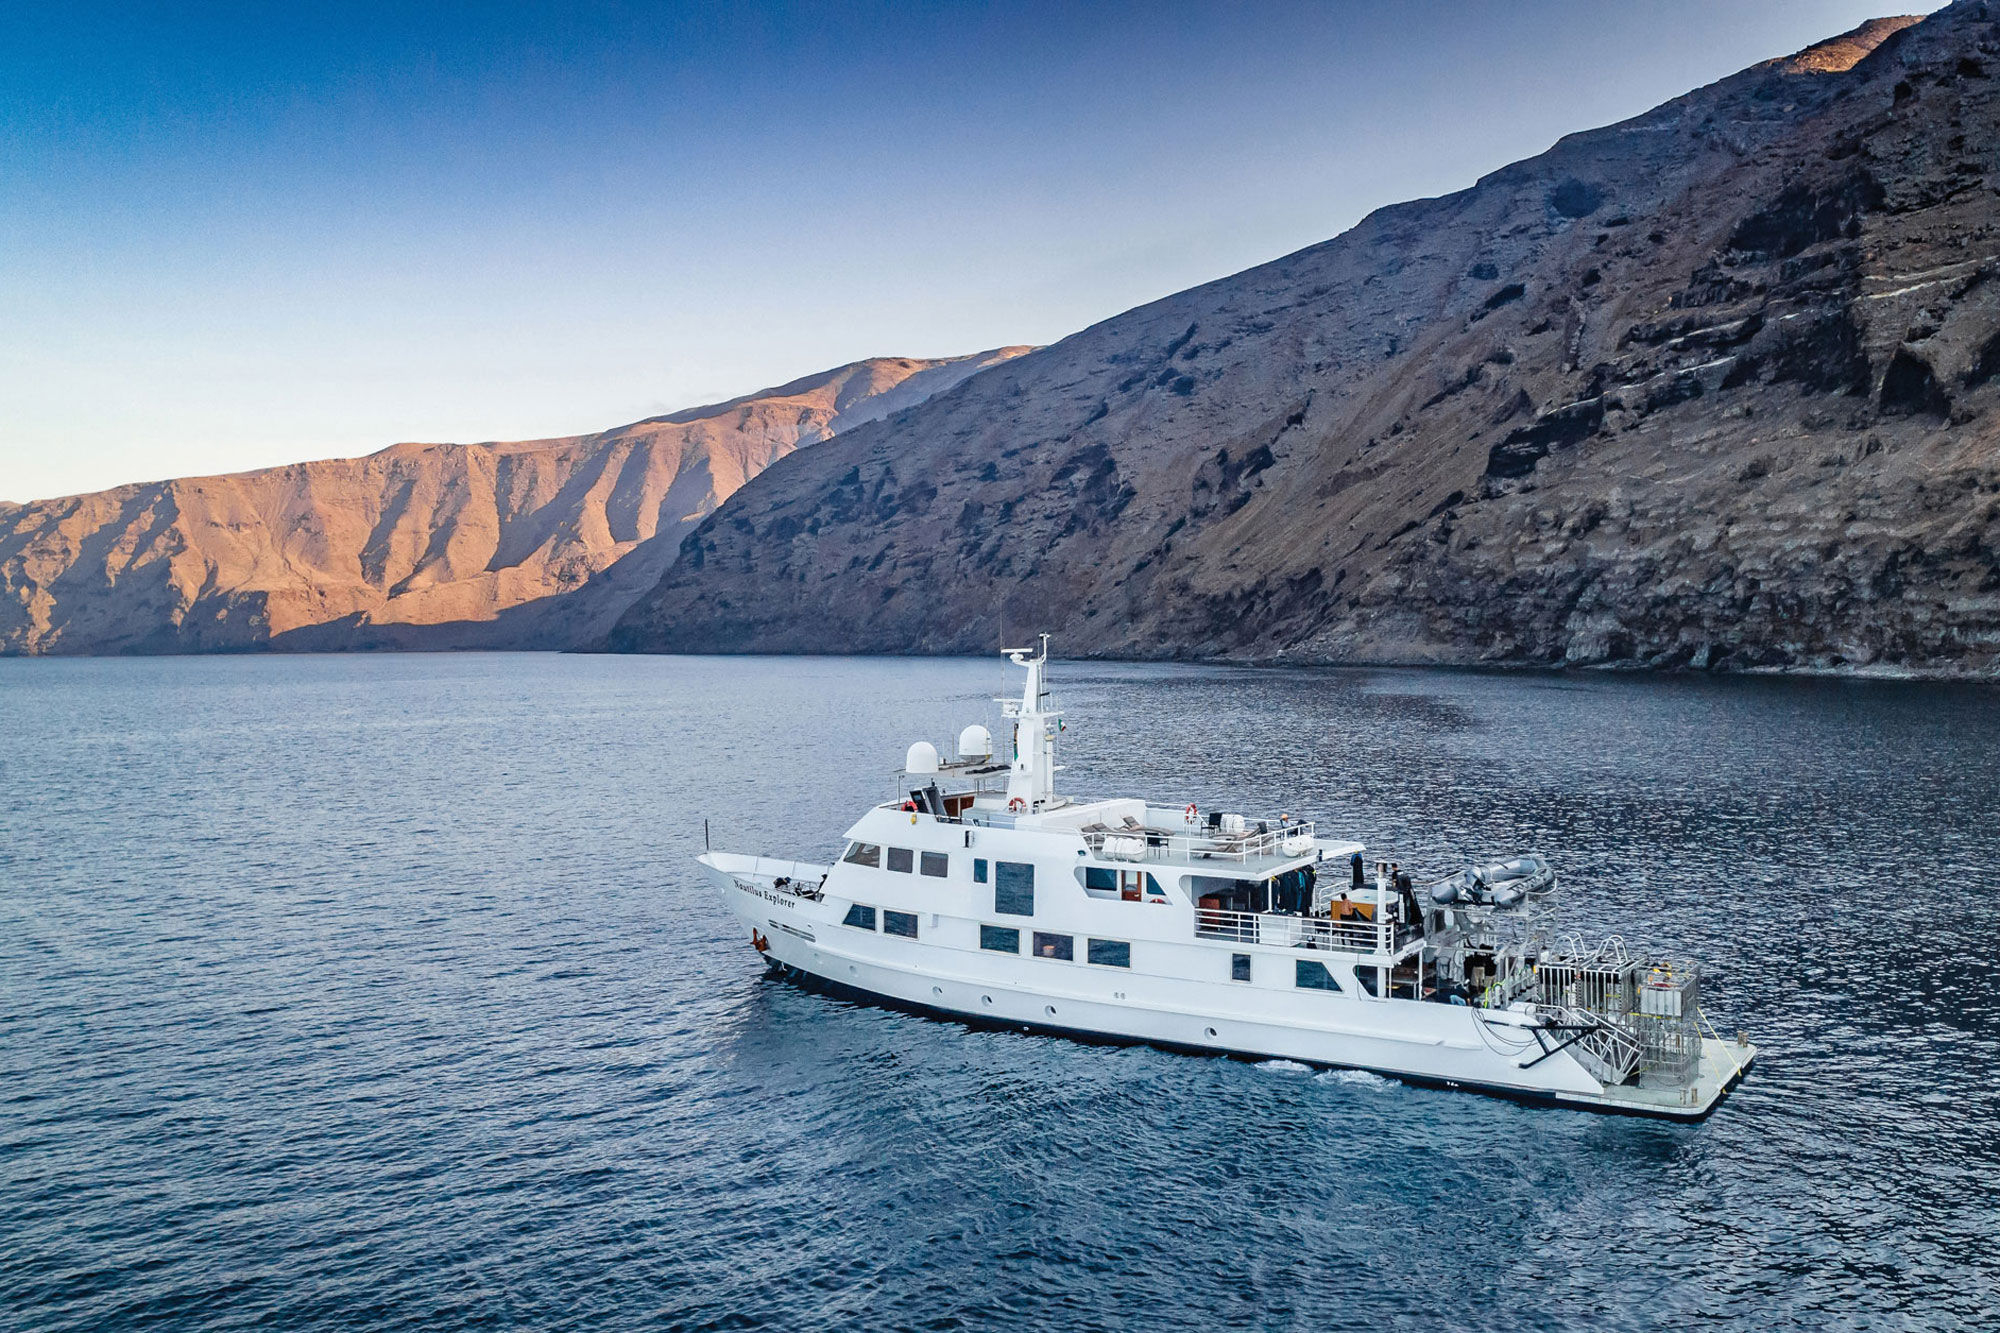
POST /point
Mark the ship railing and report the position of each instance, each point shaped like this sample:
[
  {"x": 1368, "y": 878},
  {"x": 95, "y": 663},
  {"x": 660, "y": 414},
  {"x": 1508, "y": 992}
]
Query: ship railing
[
  {"x": 1152, "y": 843},
  {"x": 1279, "y": 930}
]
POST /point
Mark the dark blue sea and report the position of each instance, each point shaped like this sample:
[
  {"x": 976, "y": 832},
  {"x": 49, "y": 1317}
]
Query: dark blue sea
[{"x": 382, "y": 992}]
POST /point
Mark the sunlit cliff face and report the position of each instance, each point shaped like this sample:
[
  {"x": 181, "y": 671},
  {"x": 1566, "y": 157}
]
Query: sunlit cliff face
[{"x": 529, "y": 544}]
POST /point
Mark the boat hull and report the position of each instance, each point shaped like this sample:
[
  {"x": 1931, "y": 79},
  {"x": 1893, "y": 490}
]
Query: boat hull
[{"x": 1428, "y": 1044}]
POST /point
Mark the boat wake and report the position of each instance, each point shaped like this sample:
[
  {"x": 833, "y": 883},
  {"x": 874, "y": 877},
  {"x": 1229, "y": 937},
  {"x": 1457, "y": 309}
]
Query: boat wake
[
  {"x": 1359, "y": 1078},
  {"x": 1284, "y": 1067}
]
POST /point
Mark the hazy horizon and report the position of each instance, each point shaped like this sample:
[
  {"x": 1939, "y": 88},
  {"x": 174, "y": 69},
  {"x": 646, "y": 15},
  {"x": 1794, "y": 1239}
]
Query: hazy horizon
[{"x": 241, "y": 238}]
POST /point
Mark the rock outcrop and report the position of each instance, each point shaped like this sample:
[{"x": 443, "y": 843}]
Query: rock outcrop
[
  {"x": 1718, "y": 386},
  {"x": 535, "y": 544}
]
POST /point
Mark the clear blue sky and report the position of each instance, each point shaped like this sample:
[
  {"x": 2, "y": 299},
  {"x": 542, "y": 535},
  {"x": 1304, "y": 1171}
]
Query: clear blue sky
[{"x": 239, "y": 235}]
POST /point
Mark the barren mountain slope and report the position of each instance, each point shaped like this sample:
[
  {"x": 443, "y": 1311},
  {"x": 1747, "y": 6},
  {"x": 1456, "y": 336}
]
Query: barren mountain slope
[
  {"x": 523, "y": 545},
  {"x": 1713, "y": 386}
]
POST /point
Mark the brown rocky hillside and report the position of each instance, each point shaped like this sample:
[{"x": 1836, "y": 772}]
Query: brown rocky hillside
[
  {"x": 536, "y": 544},
  {"x": 1716, "y": 386}
]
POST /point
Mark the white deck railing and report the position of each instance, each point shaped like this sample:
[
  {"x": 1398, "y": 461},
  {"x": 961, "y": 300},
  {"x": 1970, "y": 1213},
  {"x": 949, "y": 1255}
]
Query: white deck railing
[
  {"x": 1295, "y": 932},
  {"x": 1153, "y": 843}
]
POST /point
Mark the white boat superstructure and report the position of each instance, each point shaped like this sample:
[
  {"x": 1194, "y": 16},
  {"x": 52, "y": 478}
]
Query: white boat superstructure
[{"x": 982, "y": 894}]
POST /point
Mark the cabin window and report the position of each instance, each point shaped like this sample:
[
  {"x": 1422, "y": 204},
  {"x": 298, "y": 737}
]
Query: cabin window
[
  {"x": 1054, "y": 946},
  {"x": 1000, "y": 939},
  {"x": 863, "y": 854},
  {"x": 1130, "y": 885},
  {"x": 1013, "y": 888},
  {"x": 899, "y": 923},
  {"x": 936, "y": 864},
  {"x": 857, "y": 915},
  {"x": 1370, "y": 979},
  {"x": 901, "y": 859},
  {"x": 978, "y": 870},
  {"x": 1109, "y": 953},
  {"x": 1239, "y": 967},
  {"x": 1313, "y": 976}
]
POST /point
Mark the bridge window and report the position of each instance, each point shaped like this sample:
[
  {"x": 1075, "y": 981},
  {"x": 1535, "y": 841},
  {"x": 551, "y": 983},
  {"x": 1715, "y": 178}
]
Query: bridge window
[
  {"x": 900, "y": 859},
  {"x": 863, "y": 854},
  {"x": 1313, "y": 976},
  {"x": 936, "y": 864},
  {"x": 1055, "y": 946},
  {"x": 1000, "y": 939},
  {"x": 1109, "y": 953},
  {"x": 1239, "y": 967},
  {"x": 1013, "y": 888},
  {"x": 899, "y": 923},
  {"x": 857, "y": 915}
]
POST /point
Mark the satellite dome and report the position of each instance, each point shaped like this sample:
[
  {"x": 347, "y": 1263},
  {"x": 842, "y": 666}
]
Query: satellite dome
[
  {"x": 922, "y": 758},
  {"x": 974, "y": 742}
]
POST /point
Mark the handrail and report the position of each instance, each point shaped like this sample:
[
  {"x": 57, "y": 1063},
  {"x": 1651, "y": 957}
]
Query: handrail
[
  {"x": 1295, "y": 932},
  {"x": 1167, "y": 845}
]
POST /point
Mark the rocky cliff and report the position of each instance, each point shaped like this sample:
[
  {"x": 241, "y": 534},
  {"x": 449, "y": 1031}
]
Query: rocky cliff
[
  {"x": 535, "y": 544},
  {"x": 1718, "y": 386}
]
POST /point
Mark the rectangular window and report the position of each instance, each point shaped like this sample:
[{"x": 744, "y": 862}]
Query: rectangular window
[
  {"x": 857, "y": 915},
  {"x": 1109, "y": 953},
  {"x": 1013, "y": 888},
  {"x": 1239, "y": 967},
  {"x": 899, "y": 923},
  {"x": 978, "y": 870},
  {"x": 1100, "y": 879},
  {"x": 863, "y": 854},
  {"x": 1055, "y": 946},
  {"x": 1000, "y": 939},
  {"x": 900, "y": 860},
  {"x": 1314, "y": 976},
  {"x": 936, "y": 864}
]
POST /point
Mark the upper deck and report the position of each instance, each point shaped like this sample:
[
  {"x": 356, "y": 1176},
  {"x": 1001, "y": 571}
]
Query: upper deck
[{"x": 1129, "y": 830}]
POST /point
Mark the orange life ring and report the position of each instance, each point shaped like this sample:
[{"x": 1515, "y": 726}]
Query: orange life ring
[
  {"x": 1191, "y": 814},
  {"x": 909, "y": 805},
  {"x": 1016, "y": 806}
]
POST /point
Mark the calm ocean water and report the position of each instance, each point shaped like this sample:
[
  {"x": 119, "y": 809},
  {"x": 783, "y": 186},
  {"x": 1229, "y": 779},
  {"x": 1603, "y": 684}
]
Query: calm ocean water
[{"x": 382, "y": 992}]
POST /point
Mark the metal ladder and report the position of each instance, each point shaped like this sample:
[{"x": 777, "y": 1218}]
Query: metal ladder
[{"x": 1607, "y": 1052}]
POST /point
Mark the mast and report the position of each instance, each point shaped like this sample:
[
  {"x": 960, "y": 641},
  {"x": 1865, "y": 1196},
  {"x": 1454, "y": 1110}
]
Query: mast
[{"x": 1032, "y": 779}]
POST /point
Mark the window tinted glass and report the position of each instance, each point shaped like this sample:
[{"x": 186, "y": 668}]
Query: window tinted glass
[
  {"x": 1369, "y": 979},
  {"x": 899, "y": 923},
  {"x": 1013, "y": 888},
  {"x": 1100, "y": 877},
  {"x": 1314, "y": 976},
  {"x": 1239, "y": 967},
  {"x": 864, "y": 854},
  {"x": 936, "y": 864},
  {"x": 1000, "y": 939},
  {"x": 1054, "y": 946},
  {"x": 900, "y": 859},
  {"x": 1110, "y": 953},
  {"x": 858, "y": 915},
  {"x": 978, "y": 870}
]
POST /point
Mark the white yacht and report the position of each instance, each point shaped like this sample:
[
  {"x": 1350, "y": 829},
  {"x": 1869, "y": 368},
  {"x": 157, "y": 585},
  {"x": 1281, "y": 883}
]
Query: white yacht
[{"x": 981, "y": 894}]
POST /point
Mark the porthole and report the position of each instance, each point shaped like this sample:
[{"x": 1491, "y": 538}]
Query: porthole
[
  {"x": 937, "y": 990},
  {"x": 1210, "y": 1031},
  {"x": 986, "y": 999},
  {"x": 1051, "y": 1010}
]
